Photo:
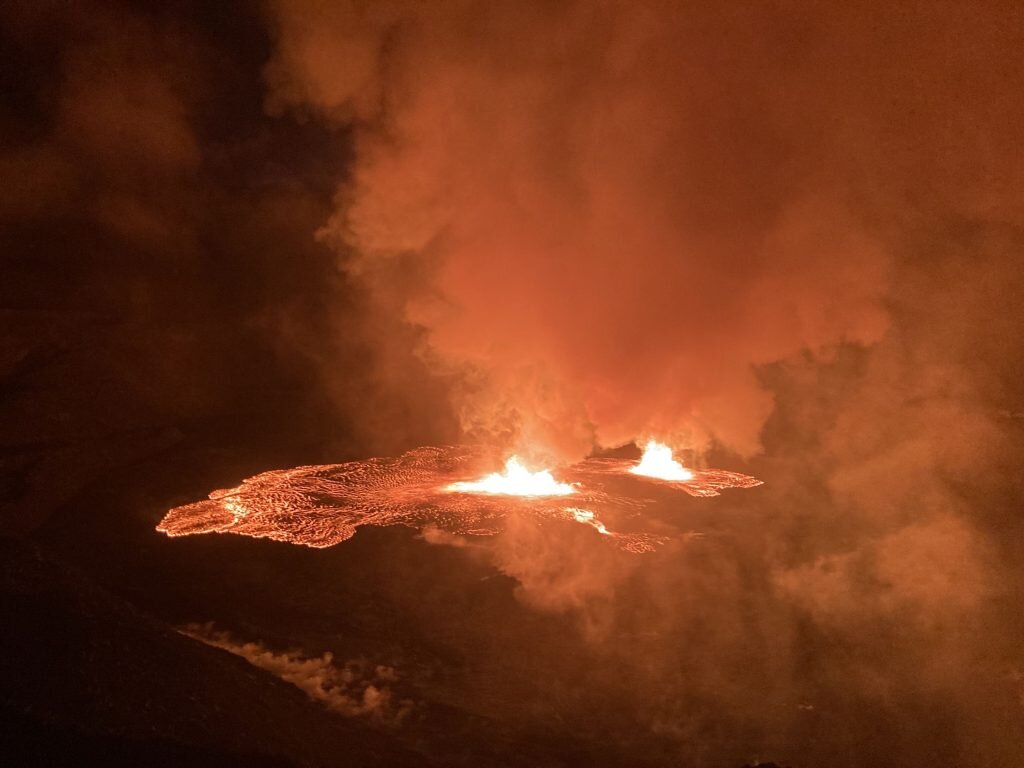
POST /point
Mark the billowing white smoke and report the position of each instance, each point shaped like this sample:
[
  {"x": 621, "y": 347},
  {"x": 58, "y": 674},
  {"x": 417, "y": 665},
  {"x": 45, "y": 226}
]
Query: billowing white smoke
[{"x": 354, "y": 689}]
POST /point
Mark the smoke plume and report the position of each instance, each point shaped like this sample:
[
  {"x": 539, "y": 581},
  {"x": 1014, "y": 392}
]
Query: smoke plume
[
  {"x": 621, "y": 209},
  {"x": 353, "y": 689},
  {"x": 777, "y": 227}
]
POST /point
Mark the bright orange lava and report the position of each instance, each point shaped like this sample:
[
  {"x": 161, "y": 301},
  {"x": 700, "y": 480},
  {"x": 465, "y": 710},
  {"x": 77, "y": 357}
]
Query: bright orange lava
[
  {"x": 320, "y": 506},
  {"x": 587, "y": 517},
  {"x": 659, "y": 463},
  {"x": 516, "y": 480}
]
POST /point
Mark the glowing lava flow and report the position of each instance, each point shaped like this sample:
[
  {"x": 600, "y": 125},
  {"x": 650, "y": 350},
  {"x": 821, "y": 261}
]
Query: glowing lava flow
[
  {"x": 516, "y": 480},
  {"x": 658, "y": 462},
  {"x": 320, "y": 506}
]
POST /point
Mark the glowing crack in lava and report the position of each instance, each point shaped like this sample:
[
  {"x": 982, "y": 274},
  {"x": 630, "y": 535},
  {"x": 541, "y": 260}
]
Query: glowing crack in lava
[
  {"x": 320, "y": 506},
  {"x": 516, "y": 480},
  {"x": 658, "y": 462},
  {"x": 587, "y": 517}
]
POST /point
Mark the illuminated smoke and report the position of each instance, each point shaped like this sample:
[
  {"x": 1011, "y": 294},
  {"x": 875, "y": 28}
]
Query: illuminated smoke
[
  {"x": 354, "y": 689},
  {"x": 605, "y": 217}
]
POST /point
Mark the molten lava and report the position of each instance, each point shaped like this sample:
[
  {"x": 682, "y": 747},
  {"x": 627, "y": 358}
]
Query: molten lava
[
  {"x": 659, "y": 463},
  {"x": 320, "y": 506},
  {"x": 587, "y": 517},
  {"x": 516, "y": 480}
]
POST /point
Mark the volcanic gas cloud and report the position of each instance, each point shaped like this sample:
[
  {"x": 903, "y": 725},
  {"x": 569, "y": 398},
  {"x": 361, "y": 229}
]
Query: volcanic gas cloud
[
  {"x": 591, "y": 214},
  {"x": 320, "y": 506}
]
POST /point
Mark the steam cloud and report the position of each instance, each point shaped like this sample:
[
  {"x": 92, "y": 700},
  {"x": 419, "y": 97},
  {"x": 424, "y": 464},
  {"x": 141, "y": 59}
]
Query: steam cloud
[
  {"x": 620, "y": 209},
  {"x": 353, "y": 689},
  {"x": 786, "y": 227}
]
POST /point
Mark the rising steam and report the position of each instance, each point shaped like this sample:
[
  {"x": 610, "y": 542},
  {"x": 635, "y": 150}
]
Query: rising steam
[
  {"x": 616, "y": 222},
  {"x": 354, "y": 688},
  {"x": 788, "y": 226}
]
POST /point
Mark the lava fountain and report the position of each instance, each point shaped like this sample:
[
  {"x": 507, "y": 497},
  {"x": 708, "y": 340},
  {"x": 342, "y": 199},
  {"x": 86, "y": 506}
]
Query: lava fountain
[
  {"x": 658, "y": 465},
  {"x": 658, "y": 462},
  {"x": 516, "y": 480}
]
